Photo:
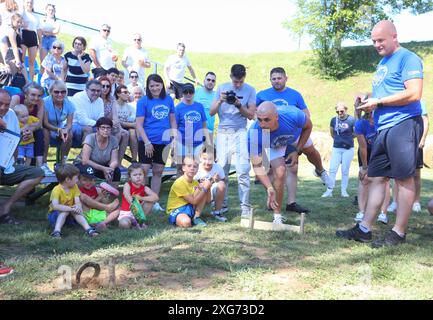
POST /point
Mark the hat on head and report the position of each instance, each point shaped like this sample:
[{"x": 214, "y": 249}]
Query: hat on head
[
  {"x": 87, "y": 171},
  {"x": 188, "y": 87}
]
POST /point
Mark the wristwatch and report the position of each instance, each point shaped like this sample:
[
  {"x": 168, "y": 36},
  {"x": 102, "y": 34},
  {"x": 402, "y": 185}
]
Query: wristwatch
[{"x": 379, "y": 103}]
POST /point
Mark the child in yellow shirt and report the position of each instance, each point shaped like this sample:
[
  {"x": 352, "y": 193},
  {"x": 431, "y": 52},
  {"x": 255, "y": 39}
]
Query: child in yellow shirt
[
  {"x": 26, "y": 147},
  {"x": 65, "y": 201}
]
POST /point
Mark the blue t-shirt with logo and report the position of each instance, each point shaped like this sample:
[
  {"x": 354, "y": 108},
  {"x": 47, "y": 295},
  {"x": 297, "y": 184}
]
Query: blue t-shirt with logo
[
  {"x": 291, "y": 121},
  {"x": 389, "y": 79},
  {"x": 343, "y": 132},
  {"x": 190, "y": 119},
  {"x": 287, "y": 98},
  {"x": 367, "y": 129},
  {"x": 206, "y": 97},
  {"x": 156, "y": 113}
]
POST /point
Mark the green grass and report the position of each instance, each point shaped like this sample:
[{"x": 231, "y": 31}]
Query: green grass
[
  {"x": 224, "y": 261},
  {"x": 320, "y": 95}
]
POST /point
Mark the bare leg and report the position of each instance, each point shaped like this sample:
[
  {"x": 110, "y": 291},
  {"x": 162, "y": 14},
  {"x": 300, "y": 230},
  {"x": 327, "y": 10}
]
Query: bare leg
[
  {"x": 362, "y": 196},
  {"x": 314, "y": 157},
  {"x": 157, "y": 170},
  {"x": 133, "y": 144},
  {"x": 112, "y": 216},
  {"x": 61, "y": 218},
  {"x": 279, "y": 173},
  {"x": 199, "y": 208},
  {"x": 65, "y": 148},
  {"x": 123, "y": 144},
  {"x": 219, "y": 198},
  {"x": 376, "y": 196},
  {"x": 291, "y": 183},
  {"x": 81, "y": 221},
  {"x": 46, "y": 144},
  {"x": 32, "y": 58},
  {"x": 405, "y": 199},
  {"x": 417, "y": 179}
]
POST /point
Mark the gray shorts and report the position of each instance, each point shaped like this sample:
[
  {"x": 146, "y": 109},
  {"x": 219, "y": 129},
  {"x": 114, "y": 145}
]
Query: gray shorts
[{"x": 22, "y": 173}]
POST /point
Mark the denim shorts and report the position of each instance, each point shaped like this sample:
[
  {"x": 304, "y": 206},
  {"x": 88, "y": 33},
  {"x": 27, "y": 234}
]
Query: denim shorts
[
  {"x": 47, "y": 42},
  {"x": 26, "y": 151}
]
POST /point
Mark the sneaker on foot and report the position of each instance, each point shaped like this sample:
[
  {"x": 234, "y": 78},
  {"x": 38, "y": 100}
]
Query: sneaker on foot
[
  {"x": 47, "y": 171},
  {"x": 323, "y": 176},
  {"x": 327, "y": 194},
  {"x": 391, "y": 239},
  {"x": 5, "y": 270},
  {"x": 217, "y": 215},
  {"x": 294, "y": 207},
  {"x": 157, "y": 207},
  {"x": 392, "y": 207},
  {"x": 416, "y": 207},
  {"x": 354, "y": 234},
  {"x": 199, "y": 222},
  {"x": 359, "y": 216},
  {"x": 278, "y": 220},
  {"x": 344, "y": 194},
  {"x": 383, "y": 218}
]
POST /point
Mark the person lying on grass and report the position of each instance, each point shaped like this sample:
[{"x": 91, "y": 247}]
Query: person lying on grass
[
  {"x": 97, "y": 211},
  {"x": 136, "y": 188},
  {"x": 65, "y": 202},
  {"x": 188, "y": 197}
]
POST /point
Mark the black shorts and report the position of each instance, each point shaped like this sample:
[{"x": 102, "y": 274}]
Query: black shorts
[
  {"x": 395, "y": 150},
  {"x": 368, "y": 157},
  {"x": 177, "y": 89},
  {"x": 160, "y": 153},
  {"x": 30, "y": 38}
]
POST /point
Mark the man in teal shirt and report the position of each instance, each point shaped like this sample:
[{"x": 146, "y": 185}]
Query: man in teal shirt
[{"x": 205, "y": 95}]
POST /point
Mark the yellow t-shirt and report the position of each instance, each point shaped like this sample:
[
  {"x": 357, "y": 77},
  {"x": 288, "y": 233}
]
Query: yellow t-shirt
[
  {"x": 66, "y": 199},
  {"x": 31, "y": 120},
  {"x": 180, "y": 188}
]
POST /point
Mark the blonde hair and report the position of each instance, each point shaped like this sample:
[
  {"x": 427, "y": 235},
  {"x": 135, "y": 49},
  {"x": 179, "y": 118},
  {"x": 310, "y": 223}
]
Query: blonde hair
[
  {"x": 21, "y": 109},
  {"x": 341, "y": 104}
]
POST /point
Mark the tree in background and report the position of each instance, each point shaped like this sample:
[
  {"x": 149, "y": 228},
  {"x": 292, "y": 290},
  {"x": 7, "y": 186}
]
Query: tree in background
[{"x": 330, "y": 22}]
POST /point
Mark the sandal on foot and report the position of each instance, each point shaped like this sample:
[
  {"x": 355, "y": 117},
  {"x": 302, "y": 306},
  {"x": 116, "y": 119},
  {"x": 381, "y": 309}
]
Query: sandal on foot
[
  {"x": 56, "y": 235},
  {"x": 8, "y": 219},
  {"x": 92, "y": 232}
]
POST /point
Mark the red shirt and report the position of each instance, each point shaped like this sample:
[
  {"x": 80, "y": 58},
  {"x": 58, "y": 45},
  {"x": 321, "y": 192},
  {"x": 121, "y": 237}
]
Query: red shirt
[
  {"x": 134, "y": 191},
  {"x": 92, "y": 192}
]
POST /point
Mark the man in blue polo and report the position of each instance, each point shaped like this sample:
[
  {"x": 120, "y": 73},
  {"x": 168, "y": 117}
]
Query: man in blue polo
[
  {"x": 282, "y": 135},
  {"x": 397, "y": 91},
  {"x": 284, "y": 97}
]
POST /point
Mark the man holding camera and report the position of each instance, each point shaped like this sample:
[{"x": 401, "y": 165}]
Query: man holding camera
[{"x": 235, "y": 102}]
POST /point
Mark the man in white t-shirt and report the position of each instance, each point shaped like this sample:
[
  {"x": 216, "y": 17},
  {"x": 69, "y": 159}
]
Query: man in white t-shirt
[
  {"x": 174, "y": 70},
  {"x": 102, "y": 53},
  {"x": 136, "y": 58}
]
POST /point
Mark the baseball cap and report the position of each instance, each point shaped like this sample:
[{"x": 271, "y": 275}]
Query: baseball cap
[
  {"x": 188, "y": 87},
  {"x": 87, "y": 171}
]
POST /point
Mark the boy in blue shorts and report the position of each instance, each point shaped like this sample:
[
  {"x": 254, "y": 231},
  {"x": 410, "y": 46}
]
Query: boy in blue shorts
[{"x": 187, "y": 197}]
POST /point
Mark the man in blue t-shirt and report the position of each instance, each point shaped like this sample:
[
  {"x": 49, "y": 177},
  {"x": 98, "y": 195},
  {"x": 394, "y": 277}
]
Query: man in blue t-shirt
[
  {"x": 397, "y": 91},
  {"x": 205, "y": 95},
  {"x": 284, "y": 97},
  {"x": 281, "y": 134},
  {"x": 191, "y": 126}
]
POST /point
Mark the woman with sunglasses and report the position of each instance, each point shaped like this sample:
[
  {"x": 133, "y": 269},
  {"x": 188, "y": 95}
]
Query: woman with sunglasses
[
  {"x": 49, "y": 28},
  {"x": 30, "y": 35},
  {"x": 342, "y": 152},
  {"x": 54, "y": 65},
  {"x": 59, "y": 113},
  {"x": 77, "y": 67},
  {"x": 156, "y": 127}
]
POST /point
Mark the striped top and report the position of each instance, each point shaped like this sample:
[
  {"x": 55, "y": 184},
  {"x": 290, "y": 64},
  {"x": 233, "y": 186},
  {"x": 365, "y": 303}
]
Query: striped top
[{"x": 76, "y": 79}]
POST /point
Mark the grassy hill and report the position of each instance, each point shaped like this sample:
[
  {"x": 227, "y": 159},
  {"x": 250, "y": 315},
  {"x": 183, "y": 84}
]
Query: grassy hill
[{"x": 320, "y": 95}]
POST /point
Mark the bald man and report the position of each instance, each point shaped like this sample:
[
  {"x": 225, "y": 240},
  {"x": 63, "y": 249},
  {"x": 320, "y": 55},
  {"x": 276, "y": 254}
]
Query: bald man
[
  {"x": 282, "y": 135},
  {"x": 397, "y": 91}
]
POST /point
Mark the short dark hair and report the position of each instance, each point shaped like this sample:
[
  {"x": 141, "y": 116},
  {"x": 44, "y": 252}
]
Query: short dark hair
[
  {"x": 277, "y": 70},
  {"x": 82, "y": 40},
  {"x": 119, "y": 90},
  {"x": 93, "y": 81},
  {"x": 210, "y": 73},
  {"x": 134, "y": 166},
  {"x": 104, "y": 121},
  {"x": 180, "y": 44},
  {"x": 132, "y": 72},
  {"x": 113, "y": 70},
  {"x": 238, "y": 71},
  {"x": 65, "y": 171},
  {"x": 156, "y": 78}
]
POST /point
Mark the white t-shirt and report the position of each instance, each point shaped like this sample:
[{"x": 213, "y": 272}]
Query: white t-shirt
[
  {"x": 203, "y": 174},
  {"x": 176, "y": 67},
  {"x": 126, "y": 112},
  {"x": 5, "y": 19},
  {"x": 48, "y": 25},
  {"x": 133, "y": 56},
  {"x": 104, "y": 52},
  {"x": 31, "y": 21}
]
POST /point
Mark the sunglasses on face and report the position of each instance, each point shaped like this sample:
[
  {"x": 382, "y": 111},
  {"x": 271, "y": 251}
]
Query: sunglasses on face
[
  {"x": 139, "y": 40},
  {"x": 210, "y": 80},
  {"x": 59, "y": 91},
  {"x": 55, "y": 47},
  {"x": 106, "y": 30},
  {"x": 188, "y": 92},
  {"x": 133, "y": 77},
  {"x": 105, "y": 86},
  {"x": 340, "y": 112}
]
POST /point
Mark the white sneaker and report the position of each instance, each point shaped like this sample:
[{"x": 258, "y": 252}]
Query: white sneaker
[
  {"x": 157, "y": 207},
  {"x": 323, "y": 176},
  {"x": 47, "y": 171},
  {"x": 278, "y": 220},
  {"x": 327, "y": 194},
  {"x": 382, "y": 218},
  {"x": 344, "y": 194},
  {"x": 416, "y": 207},
  {"x": 359, "y": 216},
  {"x": 392, "y": 207},
  {"x": 217, "y": 215}
]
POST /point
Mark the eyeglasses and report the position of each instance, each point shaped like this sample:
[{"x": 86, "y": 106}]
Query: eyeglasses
[
  {"x": 106, "y": 30},
  {"x": 55, "y": 47},
  {"x": 105, "y": 128},
  {"x": 105, "y": 86},
  {"x": 188, "y": 92},
  {"x": 59, "y": 91},
  {"x": 133, "y": 77},
  {"x": 139, "y": 40},
  {"x": 340, "y": 111},
  {"x": 95, "y": 90},
  {"x": 264, "y": 119},
  {"x": 210, "y": 80}
]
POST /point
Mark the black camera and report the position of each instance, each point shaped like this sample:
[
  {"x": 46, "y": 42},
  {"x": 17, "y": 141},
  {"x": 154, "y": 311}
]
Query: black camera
[{"x": 231, "y": 97}]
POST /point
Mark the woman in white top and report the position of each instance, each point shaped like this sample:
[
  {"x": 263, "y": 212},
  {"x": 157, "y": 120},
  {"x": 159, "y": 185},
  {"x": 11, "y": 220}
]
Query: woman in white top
[
  {"x": 54, "y": 65},
  {"x": 7, "y": 9},
  {"x": 30, "y": 35},
  {"x": 49, "y": 28}
]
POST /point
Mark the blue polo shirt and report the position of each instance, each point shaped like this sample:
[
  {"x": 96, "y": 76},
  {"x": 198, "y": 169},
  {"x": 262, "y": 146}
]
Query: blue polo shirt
[
  {"x": 389, "y": 79},
  {"x": 368, "y": 130},
  {"x": 156, "y": 113},
  {"x": 190, "y": 119},
  {"x": 291, "y": 122},
  {"x": 287, "y": 98},
  {"x": 343, "y": 132}
]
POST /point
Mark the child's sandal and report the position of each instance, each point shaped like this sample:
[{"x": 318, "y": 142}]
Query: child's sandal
[
  {"x": 92, "y": 232},
  {"x": 56, "y": 235}
]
